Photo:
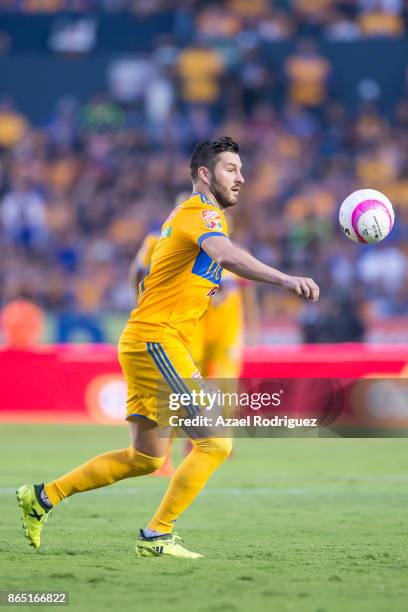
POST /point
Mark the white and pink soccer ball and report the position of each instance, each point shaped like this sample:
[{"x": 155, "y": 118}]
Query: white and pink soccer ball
[{"x": 366, "y": 216}]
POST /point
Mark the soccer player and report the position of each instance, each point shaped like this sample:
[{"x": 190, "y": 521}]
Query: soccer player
[{"x": 184, "y": 274}]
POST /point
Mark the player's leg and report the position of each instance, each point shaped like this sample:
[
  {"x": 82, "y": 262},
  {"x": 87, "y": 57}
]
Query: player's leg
[
  {"x": 143, "y": 456},
  {"x": 189, "y": 479},
  {"x": 187, "y": 482},
  {"x": 208, "y": 453}
]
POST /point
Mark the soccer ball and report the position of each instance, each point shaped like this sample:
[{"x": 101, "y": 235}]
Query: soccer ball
[{"x": 366, "y": 216}]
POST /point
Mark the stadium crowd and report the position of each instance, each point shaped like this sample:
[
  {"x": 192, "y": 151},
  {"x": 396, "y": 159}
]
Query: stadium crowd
[
  {"x": 273, "y": 19},
  {"x": 78, "y": 193}
]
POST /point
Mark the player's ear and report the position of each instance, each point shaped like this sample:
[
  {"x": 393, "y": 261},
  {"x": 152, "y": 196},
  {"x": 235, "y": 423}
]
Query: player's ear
[{"x": 204, "y": 174}]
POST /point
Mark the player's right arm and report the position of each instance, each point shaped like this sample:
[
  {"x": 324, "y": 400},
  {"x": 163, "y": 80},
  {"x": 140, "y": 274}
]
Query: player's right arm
[{"x": 240, "y": 262}]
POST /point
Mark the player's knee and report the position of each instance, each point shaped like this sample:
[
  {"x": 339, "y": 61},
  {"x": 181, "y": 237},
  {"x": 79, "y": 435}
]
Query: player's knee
[
  {"x": 218, "y": 447},
  {"x": 143, "y": 464},
  {"x": 224, "y": 447},
  {"x": 154, "y": 464}
]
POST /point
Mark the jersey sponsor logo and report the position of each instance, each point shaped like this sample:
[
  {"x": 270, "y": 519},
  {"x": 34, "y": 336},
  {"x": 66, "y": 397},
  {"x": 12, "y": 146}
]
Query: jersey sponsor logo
[
  {"x": 166, "y": 232},
  {"x": 211, "y": 215},
  {"x": 214, "y": 225},
  {"x": 197, "y": 376},
  {"x": 212, "y": 219},
  {"x": 212, "y": 292}
]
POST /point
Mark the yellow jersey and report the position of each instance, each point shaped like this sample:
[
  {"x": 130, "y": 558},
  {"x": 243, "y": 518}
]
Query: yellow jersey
[{"x": 181, "y": 278}]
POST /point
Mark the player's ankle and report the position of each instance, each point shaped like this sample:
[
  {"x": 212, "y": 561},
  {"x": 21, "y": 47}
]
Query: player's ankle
[
  {"x": 151, "y": 534},
  {"x": 42, "y": 497}
]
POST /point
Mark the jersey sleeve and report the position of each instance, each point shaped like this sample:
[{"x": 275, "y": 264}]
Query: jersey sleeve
[{"x": 196, "y": 224}]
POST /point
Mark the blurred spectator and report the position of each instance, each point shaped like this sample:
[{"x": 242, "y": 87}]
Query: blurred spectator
[
  {"x": 23, "y": 215},
  {"x": 73, "y": 36},
  {"x": 307, "y": 73},
  {"x": 275, "y": 26},
  {"x": 340, "y": 27},
  {"x": 129, "y": 78},
  {"x": 101, "y": 114},
  {"x": 62, "y": 128},
  {"x": 22, "y": 323},
  {"x": 200, "y": 68},
  {"x": 143, "y": 8},
  {"x": 312, "y": 14},
  {"x": 138, "y": 82},
  {"x": 159, "y": 99},
  {"x": 336, "y": 320},
  {"x": 256, "y": 77},
  {"x": 12, "y": 124},
  {"x": 378, "y": 23},
  {"x": 42, "y": 6},
  {"x": 384, "y": 268},
  {"x": 256, "y": 8},
  {"x": 215, "y": 22}
]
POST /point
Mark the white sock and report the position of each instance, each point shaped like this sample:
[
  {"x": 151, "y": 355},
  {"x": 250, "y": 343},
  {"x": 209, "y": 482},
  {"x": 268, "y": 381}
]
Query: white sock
[
  {"x": 44, "y": 498},
  {"x": 151, "y": 533}
]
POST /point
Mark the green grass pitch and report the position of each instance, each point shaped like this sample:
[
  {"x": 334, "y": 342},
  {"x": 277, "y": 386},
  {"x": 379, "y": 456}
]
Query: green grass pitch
[{"x": 315, "y": 525}]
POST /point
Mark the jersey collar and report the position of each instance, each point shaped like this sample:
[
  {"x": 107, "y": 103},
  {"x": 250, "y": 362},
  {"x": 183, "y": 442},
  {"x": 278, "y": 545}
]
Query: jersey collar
[{"x": 204, "y": 199}]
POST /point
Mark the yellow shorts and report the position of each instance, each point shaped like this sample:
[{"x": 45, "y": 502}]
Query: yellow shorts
[{"x": 154, "y": 371}]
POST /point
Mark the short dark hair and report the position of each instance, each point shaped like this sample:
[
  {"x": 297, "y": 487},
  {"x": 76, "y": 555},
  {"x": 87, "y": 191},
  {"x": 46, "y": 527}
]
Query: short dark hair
[{"x": 207, "y": 151}]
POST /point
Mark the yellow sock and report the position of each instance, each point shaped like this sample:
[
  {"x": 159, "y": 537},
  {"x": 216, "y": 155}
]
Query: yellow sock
[
  {"x": 189, "y": 479},
  {"x": 101, "y": 471}
]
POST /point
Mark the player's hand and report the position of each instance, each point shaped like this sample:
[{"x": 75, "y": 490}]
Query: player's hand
[{"x": 303, "y": 287}]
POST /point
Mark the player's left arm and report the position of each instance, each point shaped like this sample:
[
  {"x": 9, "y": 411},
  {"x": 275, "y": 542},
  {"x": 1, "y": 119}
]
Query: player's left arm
[{"x": 240, "y": 262}]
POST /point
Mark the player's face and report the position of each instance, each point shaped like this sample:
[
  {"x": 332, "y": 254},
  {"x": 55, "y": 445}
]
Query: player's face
[{"x": 226, "y": 179}]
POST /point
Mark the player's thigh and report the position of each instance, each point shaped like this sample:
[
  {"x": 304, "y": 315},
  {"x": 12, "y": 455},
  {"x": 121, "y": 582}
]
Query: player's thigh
[
  {"x": 177, "y": 367},
  {"x": 197, "y": 346},
  {"x": 146, "y": 437},
  {"x": 195, "y": 419},
  {"x": 142, "y": 379}
]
